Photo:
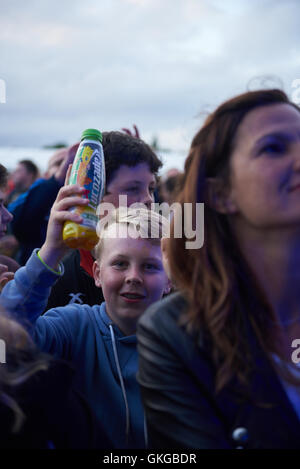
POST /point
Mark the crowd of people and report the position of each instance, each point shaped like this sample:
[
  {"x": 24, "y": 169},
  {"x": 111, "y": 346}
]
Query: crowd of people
[{"x": 155, "y": 344}]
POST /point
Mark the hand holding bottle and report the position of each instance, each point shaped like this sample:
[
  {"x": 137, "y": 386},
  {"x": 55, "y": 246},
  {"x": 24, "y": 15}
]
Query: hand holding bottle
[
  {"x": 54, "y": 248},
  {"x": 88, "y": 170}
]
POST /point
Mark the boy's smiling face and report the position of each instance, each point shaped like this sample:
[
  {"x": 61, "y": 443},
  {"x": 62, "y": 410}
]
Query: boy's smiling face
[{"x": 131, "y": 275}]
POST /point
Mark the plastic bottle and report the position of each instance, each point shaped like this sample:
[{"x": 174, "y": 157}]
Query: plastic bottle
[{"x": 88, "y": 170}]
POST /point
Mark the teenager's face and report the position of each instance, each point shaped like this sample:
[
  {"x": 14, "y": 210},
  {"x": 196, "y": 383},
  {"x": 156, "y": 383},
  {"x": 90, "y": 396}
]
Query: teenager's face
[
  {"x": 136, "y": 182},
  {"x": 5, "y": 216},
  {"x": 131, "y": 275},
  {"x": 265, "y": 168}
]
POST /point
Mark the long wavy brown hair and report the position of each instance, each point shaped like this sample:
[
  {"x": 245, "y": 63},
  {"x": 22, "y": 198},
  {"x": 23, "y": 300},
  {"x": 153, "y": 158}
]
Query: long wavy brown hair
[
  {"x": 22, "y": 360},
  {"x": 222, "y": 292}
]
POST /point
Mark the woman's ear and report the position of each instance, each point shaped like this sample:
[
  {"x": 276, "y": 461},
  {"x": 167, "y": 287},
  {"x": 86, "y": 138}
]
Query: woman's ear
[
  {"x": 168, "y": 287},
  {"x": 163, "y": 245},
  {"x": 219, "y": 197},
  {"x": 96, "y": 274},
  {"x": 169, "y": 284}
]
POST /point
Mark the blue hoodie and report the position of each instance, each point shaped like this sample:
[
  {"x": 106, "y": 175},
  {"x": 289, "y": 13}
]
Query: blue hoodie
[{"x": 105, "y": 360}]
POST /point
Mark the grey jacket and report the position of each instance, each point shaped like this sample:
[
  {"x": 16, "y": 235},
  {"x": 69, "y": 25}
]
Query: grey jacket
[{"x": 177, "y": 375}]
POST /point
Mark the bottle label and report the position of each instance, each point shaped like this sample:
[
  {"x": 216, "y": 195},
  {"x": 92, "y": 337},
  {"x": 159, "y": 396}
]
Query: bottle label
[{"x": 89, "y": 171}]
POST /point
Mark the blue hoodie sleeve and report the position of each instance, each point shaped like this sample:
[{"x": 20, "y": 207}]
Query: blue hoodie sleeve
[
  {"x": 25, "y": 298},
  {"x": 38, "y": 200}
]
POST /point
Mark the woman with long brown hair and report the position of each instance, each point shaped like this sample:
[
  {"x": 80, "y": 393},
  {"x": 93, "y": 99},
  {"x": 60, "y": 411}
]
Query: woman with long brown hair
[{"x": 218, "y": 364}]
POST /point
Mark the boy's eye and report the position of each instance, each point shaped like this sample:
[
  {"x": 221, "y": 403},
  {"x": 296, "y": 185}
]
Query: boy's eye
[
  {"x": 132, "y": 189},
  {"x": 119, "y": 264},
  {"x": 274, "y": 148},
  {"x": 152, "y": 267}
]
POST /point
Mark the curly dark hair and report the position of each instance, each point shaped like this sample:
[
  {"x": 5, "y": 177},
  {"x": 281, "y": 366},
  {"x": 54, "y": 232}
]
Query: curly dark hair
[{"x": 122, "y": 149}]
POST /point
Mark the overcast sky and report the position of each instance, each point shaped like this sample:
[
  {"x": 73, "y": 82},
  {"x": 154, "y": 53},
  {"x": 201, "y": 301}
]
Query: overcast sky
[{"x": 161, "y": 64}]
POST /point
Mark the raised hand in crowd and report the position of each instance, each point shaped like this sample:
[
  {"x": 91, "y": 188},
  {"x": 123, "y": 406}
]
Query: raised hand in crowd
[
  {"x": 5, "y": 276},
  {"x": 135, "y": 134},
  {"x": 54, "y": 247}
]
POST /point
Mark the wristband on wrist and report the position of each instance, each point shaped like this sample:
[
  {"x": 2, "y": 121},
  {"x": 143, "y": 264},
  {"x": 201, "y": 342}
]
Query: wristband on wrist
[{"x": 56, "y": 272}]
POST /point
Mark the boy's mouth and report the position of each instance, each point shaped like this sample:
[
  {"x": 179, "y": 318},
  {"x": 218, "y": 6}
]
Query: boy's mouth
[{"x": 132, "y": 296}]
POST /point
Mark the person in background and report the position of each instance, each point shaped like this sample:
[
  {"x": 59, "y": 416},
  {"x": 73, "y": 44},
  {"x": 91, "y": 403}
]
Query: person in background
[
  {"x": 131, "y": 170},
  {"x": 19, "y": 182},
  {"x": 218, "y": 364},
  {"x": 55, "y": 162},
  {"x": 31, "y": 210},
  {"x": 8, "y": 267},
  {"x": 22, "y": 178},
  {"x": 169, "y": 185},
  {"x": 135, "y": 133},
  {"x": 5, "y": 215},
  {"x": 36, "y": 412},
  {"x": 6, "y": 273},
  {"x": 98, "y": 340}
]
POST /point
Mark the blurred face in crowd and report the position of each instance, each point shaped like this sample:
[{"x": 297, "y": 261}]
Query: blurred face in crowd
[
  {"x": 55, "y": 162},
  {"x": 265, "y": 169},
  {"x": 22, "y": 178},
  {"x": 136, "y": 182},
  {"x": 131, "y": 274},
  {"x": 5, "y": 216}
]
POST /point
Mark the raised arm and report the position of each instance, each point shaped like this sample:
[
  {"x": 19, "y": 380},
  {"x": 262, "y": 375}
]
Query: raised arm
[
  {"x": 26, "y": 295},
  {"x": 36, "y": 203}
]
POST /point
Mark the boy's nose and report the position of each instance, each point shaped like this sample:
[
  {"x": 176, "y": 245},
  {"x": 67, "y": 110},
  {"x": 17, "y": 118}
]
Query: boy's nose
[
  {"x": 134, "y": 276},
  {"x": 148, "y": 199}
]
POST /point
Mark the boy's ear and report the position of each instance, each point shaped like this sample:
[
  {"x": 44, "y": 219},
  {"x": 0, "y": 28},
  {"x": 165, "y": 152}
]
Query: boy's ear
[
  {"x": 96, "y": 274},
  {"x": 219, "y": 197}
]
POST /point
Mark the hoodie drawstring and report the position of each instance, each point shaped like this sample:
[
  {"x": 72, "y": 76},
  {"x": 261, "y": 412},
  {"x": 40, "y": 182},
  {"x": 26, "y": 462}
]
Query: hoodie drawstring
[
  {"x": 112, "y": 334},
  {"x": 145, "y": 431},
  {"x": 121, "y": 380}
]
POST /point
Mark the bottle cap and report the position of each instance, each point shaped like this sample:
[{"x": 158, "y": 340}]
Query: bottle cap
[{"x": 92, "y": 134}]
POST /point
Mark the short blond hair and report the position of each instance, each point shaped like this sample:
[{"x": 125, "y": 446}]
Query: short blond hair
[{"x": 141, "y": 223}]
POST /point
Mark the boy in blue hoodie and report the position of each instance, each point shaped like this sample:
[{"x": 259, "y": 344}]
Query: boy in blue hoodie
[{"x": 99, "y": 340}]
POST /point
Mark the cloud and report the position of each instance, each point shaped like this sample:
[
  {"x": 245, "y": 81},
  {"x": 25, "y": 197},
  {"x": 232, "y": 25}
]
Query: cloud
[{"x": 68, "y": 65}]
